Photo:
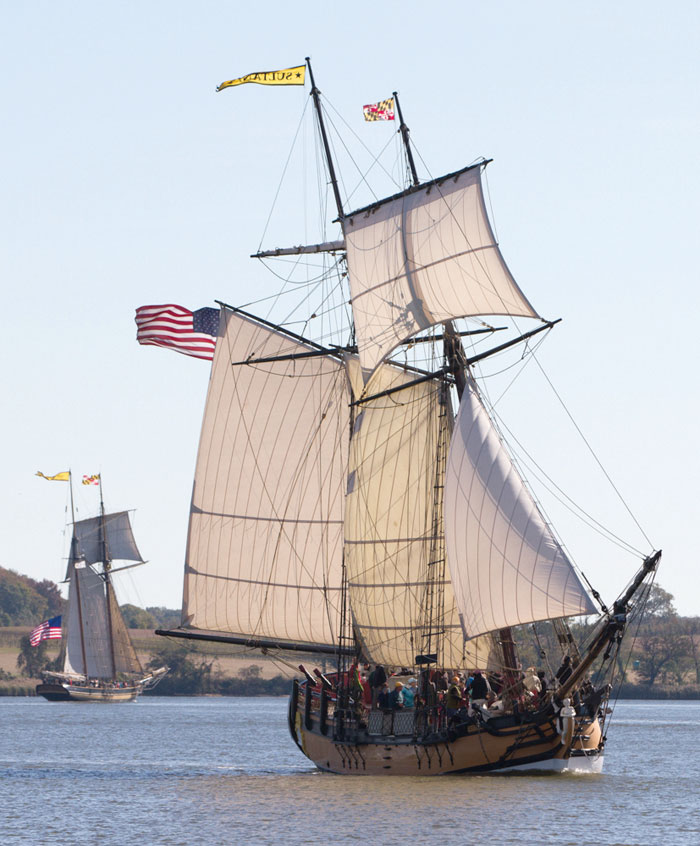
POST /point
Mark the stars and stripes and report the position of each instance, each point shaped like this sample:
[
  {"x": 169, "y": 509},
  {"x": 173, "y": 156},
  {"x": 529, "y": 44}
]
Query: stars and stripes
[
  {"x": 48, "y": 630},
  {"x": 176, "y": 327},
  {"x": 92, "y": 480}
]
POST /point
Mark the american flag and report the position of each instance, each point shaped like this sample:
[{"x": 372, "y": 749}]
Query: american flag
[
  {"x": 173, "y": 326},
  {"x": 48, "y": 630}
]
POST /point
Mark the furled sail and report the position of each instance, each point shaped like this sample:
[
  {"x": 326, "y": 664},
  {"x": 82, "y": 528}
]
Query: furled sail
[
  {"x": 390, "y": 521},
  {"x": 422, "y": 257},
  {"x": 118, "y": 538},
  {"x": 265, "y": 544},
  {"x": 507, "y": 567}
]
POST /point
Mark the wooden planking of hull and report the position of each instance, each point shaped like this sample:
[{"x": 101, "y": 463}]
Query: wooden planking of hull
[
  {"x": 500, "y": 744},
  {"x": 79, "y": 693}
]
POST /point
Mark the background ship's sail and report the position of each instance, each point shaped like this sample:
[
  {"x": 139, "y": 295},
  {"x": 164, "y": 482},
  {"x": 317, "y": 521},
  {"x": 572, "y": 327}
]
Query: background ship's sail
[
  {"x": 125, "y": 658},
  {"x": 97, "y": 643},
  {"x": 507, "y": 567},
  {"x": 423, "y": 257},
  {"x": 391, "y": 522},
  {"x": 118, "y": 538},
  {"x": 265, "y": 545}
]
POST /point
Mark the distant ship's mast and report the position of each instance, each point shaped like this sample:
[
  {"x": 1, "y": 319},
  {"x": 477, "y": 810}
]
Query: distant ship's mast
[
  {"x": 74, "y": 559},
  {"x": 106, "y": 566}
]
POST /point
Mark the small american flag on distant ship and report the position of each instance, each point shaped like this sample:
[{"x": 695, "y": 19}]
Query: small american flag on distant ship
[
  {"x": 383, "y": 110},
  {"x": 48, "y": 630},
  {"x": 188, "y": 332}
]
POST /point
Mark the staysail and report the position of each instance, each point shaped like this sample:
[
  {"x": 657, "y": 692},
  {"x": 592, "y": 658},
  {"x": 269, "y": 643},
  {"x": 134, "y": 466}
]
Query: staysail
[
  {"x": 390, "y": 522},
  {"x": 507, "y": 567},
  {"x": 422, "y": 257},
  {"x": 265, "y": 544}
]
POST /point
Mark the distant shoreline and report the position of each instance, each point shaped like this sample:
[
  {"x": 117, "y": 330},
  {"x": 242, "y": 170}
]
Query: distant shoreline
[{"x": 251, "y": 688}]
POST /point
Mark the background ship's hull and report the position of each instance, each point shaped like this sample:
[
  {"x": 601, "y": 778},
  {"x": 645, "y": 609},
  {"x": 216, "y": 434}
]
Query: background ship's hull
[{"x": 76, "y": 693}]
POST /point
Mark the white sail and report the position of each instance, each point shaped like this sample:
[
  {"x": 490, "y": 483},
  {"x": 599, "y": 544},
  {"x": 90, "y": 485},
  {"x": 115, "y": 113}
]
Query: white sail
[
  {"x": 393, "y": 524},
  {"x": 264, "y": 552},
  {"x": 118, "y": 543},
  {"x": 507, "y": 567},
  {"x": 88, "y": 652},
  {"x": 423, "y": 257}
]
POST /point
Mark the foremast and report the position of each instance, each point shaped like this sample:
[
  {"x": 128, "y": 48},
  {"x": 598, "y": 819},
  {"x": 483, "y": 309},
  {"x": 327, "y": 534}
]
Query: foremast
[{"x": 74, "y": 555}]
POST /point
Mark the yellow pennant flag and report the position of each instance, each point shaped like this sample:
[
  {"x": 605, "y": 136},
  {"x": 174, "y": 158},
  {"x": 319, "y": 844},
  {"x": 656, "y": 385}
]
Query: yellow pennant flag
[
  {"x": 59, "y": 477},
  {"x": 288, "y": 76}
]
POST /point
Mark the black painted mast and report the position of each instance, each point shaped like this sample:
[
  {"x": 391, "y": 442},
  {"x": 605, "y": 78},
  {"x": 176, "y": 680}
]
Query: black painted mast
[
  {"x": 403, "y": 129},
  {"x": 74, "y": 558},
  {"x": 106, "y": 566},
  {"x": 324, "y": 137}
]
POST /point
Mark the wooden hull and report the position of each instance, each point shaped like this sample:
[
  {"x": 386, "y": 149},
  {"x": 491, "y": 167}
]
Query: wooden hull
[
  {"x": 503, "y": 743},
  {"x": 77, "y": 693}
]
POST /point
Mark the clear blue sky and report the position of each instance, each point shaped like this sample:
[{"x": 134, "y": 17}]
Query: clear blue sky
[{"x": 128, "y": 181}]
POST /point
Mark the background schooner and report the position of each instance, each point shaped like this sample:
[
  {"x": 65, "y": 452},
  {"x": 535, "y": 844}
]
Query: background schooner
[{"x": 99, "y": 662}]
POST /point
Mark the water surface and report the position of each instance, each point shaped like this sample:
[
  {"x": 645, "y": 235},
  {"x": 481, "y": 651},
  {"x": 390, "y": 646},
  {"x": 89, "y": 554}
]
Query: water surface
[{"x": 224, "y": 770}]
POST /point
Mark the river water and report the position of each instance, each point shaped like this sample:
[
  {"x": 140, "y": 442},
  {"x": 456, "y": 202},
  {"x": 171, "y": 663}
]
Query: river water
[{"x": 225, "y": 771}]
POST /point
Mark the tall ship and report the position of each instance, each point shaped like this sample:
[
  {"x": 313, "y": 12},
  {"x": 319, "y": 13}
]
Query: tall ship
[
  {"x": 354, "y": 498},
  {"x": 99, "y": 662}
]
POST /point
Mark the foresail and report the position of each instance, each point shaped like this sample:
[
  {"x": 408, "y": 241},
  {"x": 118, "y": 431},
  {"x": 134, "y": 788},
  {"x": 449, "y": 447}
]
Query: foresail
[
  {"x": 390, "y": 523},
  {"x": 88, "y": 648},
  {"x": 119, "y": 538},
  {"x": 264, "y": 551},
  {"x": 507, "y": 567},
  {"x": 423, "y": 257}
]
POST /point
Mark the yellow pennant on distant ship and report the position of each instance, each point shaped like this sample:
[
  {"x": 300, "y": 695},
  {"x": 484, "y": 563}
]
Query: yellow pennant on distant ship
[
  {"x": 288, "y": 76},
  {"x": 59, "y": 477}
]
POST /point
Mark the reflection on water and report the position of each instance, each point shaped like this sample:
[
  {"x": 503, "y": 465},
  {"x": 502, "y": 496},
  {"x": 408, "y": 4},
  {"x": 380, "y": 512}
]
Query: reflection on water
[{"x": 216, "y": 771}]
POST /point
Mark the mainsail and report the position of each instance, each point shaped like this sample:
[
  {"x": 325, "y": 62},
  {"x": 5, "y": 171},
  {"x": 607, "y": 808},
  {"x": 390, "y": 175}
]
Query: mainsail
[
  {"x": 422, "y": 257},
  {"x": 507, "y": 567},
  {"x": 392, "y": 531},
  {"x": 265, "y": 544},
  {"x": 97, "y": 644}
]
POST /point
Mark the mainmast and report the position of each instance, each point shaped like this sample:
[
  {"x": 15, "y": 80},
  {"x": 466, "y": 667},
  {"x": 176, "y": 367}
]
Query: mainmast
[
  {"x": 324, "y": 137},
  {"x": 457, "y": 364},
  {"x": 106, "y": 566}
]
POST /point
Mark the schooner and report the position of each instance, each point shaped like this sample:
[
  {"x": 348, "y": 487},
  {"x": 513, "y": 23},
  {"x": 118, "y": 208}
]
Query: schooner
[
  {"x": 351, "y": 502},
  {"x": 99, "y": 662}
]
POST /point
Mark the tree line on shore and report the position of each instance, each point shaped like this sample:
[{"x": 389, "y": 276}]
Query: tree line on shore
[{"x": 660, "y": 658}]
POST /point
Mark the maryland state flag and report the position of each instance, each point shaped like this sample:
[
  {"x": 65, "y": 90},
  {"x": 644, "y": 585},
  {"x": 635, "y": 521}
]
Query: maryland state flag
[
  {"x": 92, "y": 480},
  {"x": 288, "y": 76},
  {"x": 59, "y": 477},
  {"x": 383, "y": 110}
]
